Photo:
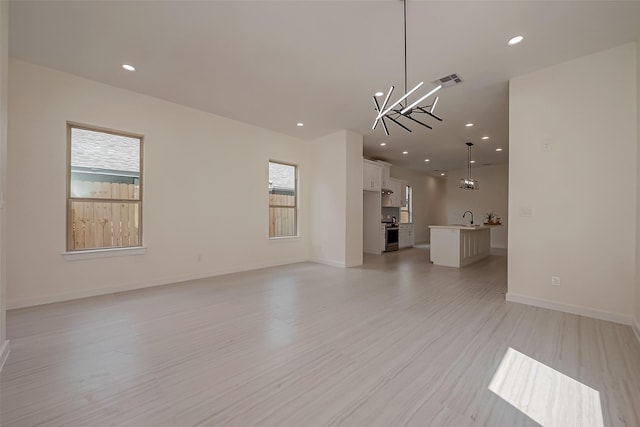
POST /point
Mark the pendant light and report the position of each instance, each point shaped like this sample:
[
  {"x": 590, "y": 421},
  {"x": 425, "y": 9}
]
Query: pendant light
[
  {"x": 469, "y": 183},
  {"x": 398, "y": 109}
]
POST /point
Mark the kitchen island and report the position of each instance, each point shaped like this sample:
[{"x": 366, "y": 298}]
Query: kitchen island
[{"x": 458, "y": 245}]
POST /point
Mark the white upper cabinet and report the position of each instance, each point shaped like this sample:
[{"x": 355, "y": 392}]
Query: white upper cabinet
[
  {"x": 371, "y": 176},
  {"x": 386, "y": 174}
]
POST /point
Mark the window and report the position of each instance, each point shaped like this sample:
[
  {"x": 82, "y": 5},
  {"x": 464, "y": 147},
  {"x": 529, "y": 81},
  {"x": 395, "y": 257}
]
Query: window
[
  {"x": 283, "y": 211},
  {"x": 104, "y": 192},
  {"x": 406, "y": 211}
]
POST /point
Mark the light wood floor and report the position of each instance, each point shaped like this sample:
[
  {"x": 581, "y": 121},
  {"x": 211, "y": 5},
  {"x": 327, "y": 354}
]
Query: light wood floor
[{"x": 396, "y": 342}]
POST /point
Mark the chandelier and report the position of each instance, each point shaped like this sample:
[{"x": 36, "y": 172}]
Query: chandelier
[
  {"x": 401, "y": 108},
  {"x": 468, "y": 183}
]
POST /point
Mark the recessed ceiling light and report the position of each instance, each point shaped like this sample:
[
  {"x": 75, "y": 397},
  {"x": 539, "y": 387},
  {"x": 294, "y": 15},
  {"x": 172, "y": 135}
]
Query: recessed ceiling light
[
  {"x": 379, "y": 93},
  {"x": 442, "y": 174},
  {"x": 485, "y": 137},
  {"x": 498, "y": 149},
  {"x": 405, "y": 152},
  {"x": 426, "y": 160},
  {"x": 472, "y": 161},
  {"x": 469, "y": 125},
  {"x": 128, "y": 67},
  {"x": 515, "y": 40},
  {"x": 300, "y": 124},
  {"x": 383, "y": 143}
]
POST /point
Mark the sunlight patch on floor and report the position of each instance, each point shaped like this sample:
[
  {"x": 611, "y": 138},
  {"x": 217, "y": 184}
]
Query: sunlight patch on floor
[{"x": 544, "y": 394}]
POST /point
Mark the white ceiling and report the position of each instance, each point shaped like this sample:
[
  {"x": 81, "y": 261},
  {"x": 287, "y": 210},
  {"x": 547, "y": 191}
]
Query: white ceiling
[{"x": 276, "y": 63}]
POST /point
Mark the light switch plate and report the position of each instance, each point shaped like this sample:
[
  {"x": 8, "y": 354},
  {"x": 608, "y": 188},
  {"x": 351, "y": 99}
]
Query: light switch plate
[{"x": 526, "y": 211}]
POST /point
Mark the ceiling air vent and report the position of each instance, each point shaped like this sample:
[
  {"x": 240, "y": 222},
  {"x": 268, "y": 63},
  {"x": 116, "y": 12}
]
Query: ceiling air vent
[{"x": 450, "y": 80}]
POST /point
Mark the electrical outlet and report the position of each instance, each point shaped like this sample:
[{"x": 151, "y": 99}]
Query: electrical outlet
[{"x": 555, "y": 280}]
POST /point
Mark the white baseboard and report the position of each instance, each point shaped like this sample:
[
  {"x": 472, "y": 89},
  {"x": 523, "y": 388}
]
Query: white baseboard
[
  {"x": 67, "y": 296},
  {"x": 4, "y": 353},
  {"x": 636, "y": 328},
  {"x": 568, "y": 308},
  {"x": 328, "y": 262}
]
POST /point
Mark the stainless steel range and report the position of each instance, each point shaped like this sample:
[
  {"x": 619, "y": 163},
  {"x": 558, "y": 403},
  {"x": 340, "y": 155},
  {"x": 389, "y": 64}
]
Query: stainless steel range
[{"x": 391, "y": 236}]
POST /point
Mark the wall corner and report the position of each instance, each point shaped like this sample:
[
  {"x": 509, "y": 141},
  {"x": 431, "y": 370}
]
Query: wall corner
[
  {"x": 4, "y": 87},
  {"x": 636, "y": 314}
]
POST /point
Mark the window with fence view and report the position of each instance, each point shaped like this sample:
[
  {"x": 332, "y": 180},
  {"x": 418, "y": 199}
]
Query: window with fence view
[
  {"x": 406, "y": 211},
  {"x": 104, "y": 189},
  {"x": 283, "y": 211}
]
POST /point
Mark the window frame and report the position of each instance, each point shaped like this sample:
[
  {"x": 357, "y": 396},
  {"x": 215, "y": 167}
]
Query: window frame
[
  {"x": 409, "y": 205},
  {"x": 70, "y": 200},
  {"x": 295, "y": 200}
]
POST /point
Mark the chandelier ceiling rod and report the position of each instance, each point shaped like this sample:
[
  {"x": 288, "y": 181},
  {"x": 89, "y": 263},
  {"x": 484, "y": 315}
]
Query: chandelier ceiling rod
[
  {"x": 469, "y": 144},
  {"x": 404, "y": 9}
]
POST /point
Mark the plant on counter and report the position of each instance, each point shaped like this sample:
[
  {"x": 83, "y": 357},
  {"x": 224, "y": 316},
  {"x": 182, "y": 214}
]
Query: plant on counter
[{"x": 490, "y": 218}]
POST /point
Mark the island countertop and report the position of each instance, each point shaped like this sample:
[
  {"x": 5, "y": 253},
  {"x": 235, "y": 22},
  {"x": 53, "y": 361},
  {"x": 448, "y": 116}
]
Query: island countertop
[{"x": 462, "y": 226}]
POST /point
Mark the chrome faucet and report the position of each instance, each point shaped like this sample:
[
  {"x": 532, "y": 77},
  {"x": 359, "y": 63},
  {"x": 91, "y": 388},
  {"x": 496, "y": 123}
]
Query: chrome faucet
[{"x": 465, "y": 214}]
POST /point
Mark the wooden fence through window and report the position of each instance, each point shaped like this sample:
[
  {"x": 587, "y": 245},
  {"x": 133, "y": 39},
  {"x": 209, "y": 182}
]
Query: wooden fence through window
[
  {"x": 104, "y": 223},
  {"x": 282, "y": 215},
  {"x": 113, "y": 224}
]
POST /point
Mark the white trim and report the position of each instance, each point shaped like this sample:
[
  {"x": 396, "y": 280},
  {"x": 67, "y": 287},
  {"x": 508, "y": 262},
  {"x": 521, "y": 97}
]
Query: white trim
[
  {"x": 636, "y": 328},
  {"x": 48, "y": 299},
  {"x": 4, "y": 354},
  {"x": 329, "y": 262},
  {"x": 568, "y": 308},
  {"x": 283, "y": 238},
  {"x": 103, "y": 253}
]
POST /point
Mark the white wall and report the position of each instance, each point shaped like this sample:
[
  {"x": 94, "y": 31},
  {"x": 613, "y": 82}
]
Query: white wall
[
  {"x": 371, "y": 238},
  {"x": 336, "y": 199},
  {"x": 581, "y": 194},
  {"x": 205, "y": 181},
  {"x": 4, "y": 64},
  {"x": 493, "y": 195},
  {"x": 429, "y": 200},
  {"x": 353, "y": 212},
  {"x": 637, "y": 296}
]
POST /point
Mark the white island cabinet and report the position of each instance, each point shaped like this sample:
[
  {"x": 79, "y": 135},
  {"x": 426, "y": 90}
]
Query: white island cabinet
[{"x": 459, "y": 245}]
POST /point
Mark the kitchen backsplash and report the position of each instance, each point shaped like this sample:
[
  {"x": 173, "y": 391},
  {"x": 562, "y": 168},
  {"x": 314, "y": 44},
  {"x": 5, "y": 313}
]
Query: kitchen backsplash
[{"x": 389, "y": 213}]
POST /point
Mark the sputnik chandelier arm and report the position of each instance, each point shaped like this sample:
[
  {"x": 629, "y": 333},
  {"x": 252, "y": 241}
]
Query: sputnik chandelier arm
[{"x": 397, "y": 110}]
